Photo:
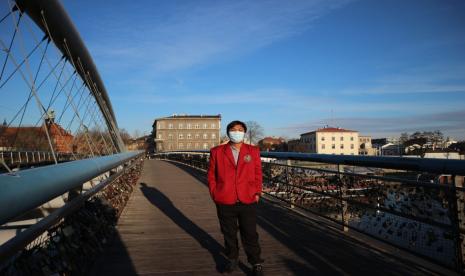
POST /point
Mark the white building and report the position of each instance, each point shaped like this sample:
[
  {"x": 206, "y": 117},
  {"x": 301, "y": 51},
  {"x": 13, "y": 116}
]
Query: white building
[{"x": 330, "y": 140}]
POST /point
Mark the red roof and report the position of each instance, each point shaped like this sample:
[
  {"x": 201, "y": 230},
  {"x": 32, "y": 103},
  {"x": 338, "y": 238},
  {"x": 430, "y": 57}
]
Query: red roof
[{"x": 330, "y": 129}]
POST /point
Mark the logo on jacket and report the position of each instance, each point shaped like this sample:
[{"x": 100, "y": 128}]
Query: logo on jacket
[{"x": 247, "y": 158}]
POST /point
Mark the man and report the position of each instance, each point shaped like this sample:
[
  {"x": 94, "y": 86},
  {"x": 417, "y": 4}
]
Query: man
[{"x": 235, "y": 183}]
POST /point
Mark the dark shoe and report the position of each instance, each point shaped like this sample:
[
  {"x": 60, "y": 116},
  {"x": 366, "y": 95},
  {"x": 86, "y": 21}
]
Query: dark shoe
[
  {"x": 231, "y": 266},
  {"x": 257, "y": 270}
]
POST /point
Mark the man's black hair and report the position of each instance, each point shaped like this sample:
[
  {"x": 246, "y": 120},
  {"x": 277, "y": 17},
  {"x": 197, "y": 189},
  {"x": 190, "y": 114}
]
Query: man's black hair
[{"x": 235, "y": 123}]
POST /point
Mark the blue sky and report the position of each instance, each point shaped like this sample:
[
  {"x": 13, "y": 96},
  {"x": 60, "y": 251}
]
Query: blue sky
[{"x": 379, "y": 67}]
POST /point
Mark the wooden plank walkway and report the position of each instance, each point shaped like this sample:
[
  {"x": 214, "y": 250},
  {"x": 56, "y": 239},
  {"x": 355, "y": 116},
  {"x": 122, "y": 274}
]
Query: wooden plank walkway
[{"x": 170, "y": 227}]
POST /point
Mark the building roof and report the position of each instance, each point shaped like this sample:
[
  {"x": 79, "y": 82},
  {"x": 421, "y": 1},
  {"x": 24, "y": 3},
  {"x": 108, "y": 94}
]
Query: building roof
[
  {"x": 184, "y": 116},
  {"x": 275, "y": 140},
  {"x": 329, "y": 129}
]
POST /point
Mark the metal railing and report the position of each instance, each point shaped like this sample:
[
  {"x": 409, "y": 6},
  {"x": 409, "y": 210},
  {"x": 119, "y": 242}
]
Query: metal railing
[
  {"x": 23, "y": 191},
  {"x": 412, "y": 203},
  {"x": 33, "y": 158}
]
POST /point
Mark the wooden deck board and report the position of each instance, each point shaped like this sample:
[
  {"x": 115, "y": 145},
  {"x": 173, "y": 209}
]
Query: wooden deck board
[{"x": 170, "y": 227}]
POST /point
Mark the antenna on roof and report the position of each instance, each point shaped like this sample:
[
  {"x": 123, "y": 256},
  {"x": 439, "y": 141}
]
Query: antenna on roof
[{"x": 332, "y": 118}]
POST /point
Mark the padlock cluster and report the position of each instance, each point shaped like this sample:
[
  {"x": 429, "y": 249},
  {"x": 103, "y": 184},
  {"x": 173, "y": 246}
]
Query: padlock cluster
[
  {"x": 119, "y": 191},
  {"x": 71, "y": 246}
]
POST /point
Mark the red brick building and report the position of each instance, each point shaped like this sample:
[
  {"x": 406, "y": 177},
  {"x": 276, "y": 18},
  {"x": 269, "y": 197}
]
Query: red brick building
[
  {"x": 272, "y": 144},
  {"x": 35, "y": 138}
]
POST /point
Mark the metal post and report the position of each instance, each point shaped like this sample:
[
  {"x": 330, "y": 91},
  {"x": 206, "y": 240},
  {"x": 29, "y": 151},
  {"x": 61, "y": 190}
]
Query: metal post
[
  {"x": 288, "y": 163},
  {"x": 456, "y": 217},
  {"x": 342, "y": 195}
]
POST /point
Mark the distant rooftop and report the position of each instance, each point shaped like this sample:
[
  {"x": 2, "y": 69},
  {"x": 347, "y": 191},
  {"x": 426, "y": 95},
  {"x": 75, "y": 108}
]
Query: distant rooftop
[
  {"x": 329, "y": 129},
  {"x": 174, "y": 116}
]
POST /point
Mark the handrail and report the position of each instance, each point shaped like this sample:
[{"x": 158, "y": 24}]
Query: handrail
[
  {"x": 25, "y": 190},
  {"x": 430, "y": 165},
  {"x": 22, "y": 239}
]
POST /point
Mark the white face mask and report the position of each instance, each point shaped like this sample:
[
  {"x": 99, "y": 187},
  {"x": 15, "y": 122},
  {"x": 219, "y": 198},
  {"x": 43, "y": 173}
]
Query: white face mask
[{"x": 236, "y": 136}]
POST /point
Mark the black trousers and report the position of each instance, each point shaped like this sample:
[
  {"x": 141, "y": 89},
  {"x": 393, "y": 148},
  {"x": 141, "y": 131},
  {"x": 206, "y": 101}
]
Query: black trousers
[{"x": 243, "y": 217}]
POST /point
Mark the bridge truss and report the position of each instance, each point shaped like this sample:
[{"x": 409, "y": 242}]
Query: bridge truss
[{"x": 52, "y": 97}]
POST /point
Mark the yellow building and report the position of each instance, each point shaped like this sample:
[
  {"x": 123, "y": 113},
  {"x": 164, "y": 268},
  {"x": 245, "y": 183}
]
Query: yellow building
[
  {"x": 186, "y": 132},
  {"x": 330, "y": 140}
]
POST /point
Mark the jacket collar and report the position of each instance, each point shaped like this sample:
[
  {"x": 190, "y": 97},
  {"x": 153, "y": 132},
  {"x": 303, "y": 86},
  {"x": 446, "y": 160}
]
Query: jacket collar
[
  {"x": 243, "y": 152},
  {"x": 228, "y": 152}
]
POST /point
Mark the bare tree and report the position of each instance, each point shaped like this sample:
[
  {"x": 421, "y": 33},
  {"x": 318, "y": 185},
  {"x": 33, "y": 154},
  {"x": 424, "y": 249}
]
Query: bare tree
[
  {"x": 125, "y": 136},
  {"x": 136, "y": 134},
  {"x": 254, "y": 132},
  {"x": 404, "y": 137}
]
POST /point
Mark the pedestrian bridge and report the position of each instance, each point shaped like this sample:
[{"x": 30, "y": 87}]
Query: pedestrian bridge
[
  {"x": 74, "y": 201},
  {"x": 169, "y": 226}
]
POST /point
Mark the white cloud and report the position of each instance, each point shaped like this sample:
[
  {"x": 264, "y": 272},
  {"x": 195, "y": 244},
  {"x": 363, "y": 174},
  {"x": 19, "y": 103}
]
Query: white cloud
[
  {"x": 201, "y": 32},
  {"x": 433, "y": 79}
]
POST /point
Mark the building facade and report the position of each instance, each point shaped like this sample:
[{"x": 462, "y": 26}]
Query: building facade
[
  {"x": 295, "y": 145},
  {"x": 186, "y": 132},
  {"x": 365, "y": 146},
  {"x": 330, "y": 140}
]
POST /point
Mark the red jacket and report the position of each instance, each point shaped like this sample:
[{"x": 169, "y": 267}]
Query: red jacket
[{"x": 228, "y": 183}]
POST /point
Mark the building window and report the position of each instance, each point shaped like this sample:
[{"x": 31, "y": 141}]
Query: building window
[
  {"x": 189, "y": 136},
  {"x": 170, "y": 146},
  {"x": 197, "y": 136},
  {"x": 188, "y": 145},
  {"x": 352, "y": 146},
  {"x": 322, "y": 138},
  {"x": 213, "y": 136},
  {"x": 213, "y": 126},
  {"x": 170, "y": 136},
  {"x": 204, "y": 126},
  {"x": 322, "y": 146},
  {"x": 180, "y": 126},
  {"x": 189, "y": 126},
  {"x": 158, "y": 125},
  {"x": 197, "y": 126},
  {"x": 205, "y": 146},
  {"x": 170, "y": 126},
  {"x": 197, "y": 146},
  {"x": 333, "y": 138},
  {"x": 342, "y": 146},
  {"x": 181, "y": 136},
  {"x": 180, "y": 146},
  {"x": 333, "y": 146},
  {"x": 205, "y": 136},
  {"x": 342, "y": 138},
  {"x": 351, "y": 138},
  {"x": 159, "y": 136},
  {"x": 160, "y": 147}
]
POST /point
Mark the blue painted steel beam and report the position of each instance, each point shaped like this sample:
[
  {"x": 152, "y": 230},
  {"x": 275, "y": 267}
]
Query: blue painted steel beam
[
  {"x": 28, "y": 189},
  {"x": 430, "y": 165}
]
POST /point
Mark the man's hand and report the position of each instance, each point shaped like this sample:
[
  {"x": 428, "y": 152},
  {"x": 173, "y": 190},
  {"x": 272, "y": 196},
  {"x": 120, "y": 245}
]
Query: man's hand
[{"x": 257, "y": 198}]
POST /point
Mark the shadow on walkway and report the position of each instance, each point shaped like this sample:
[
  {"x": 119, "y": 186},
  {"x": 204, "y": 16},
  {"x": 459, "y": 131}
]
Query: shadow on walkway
[
  {"x": 159, "y": 200},
  {"x": 116, "y": 260}
]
